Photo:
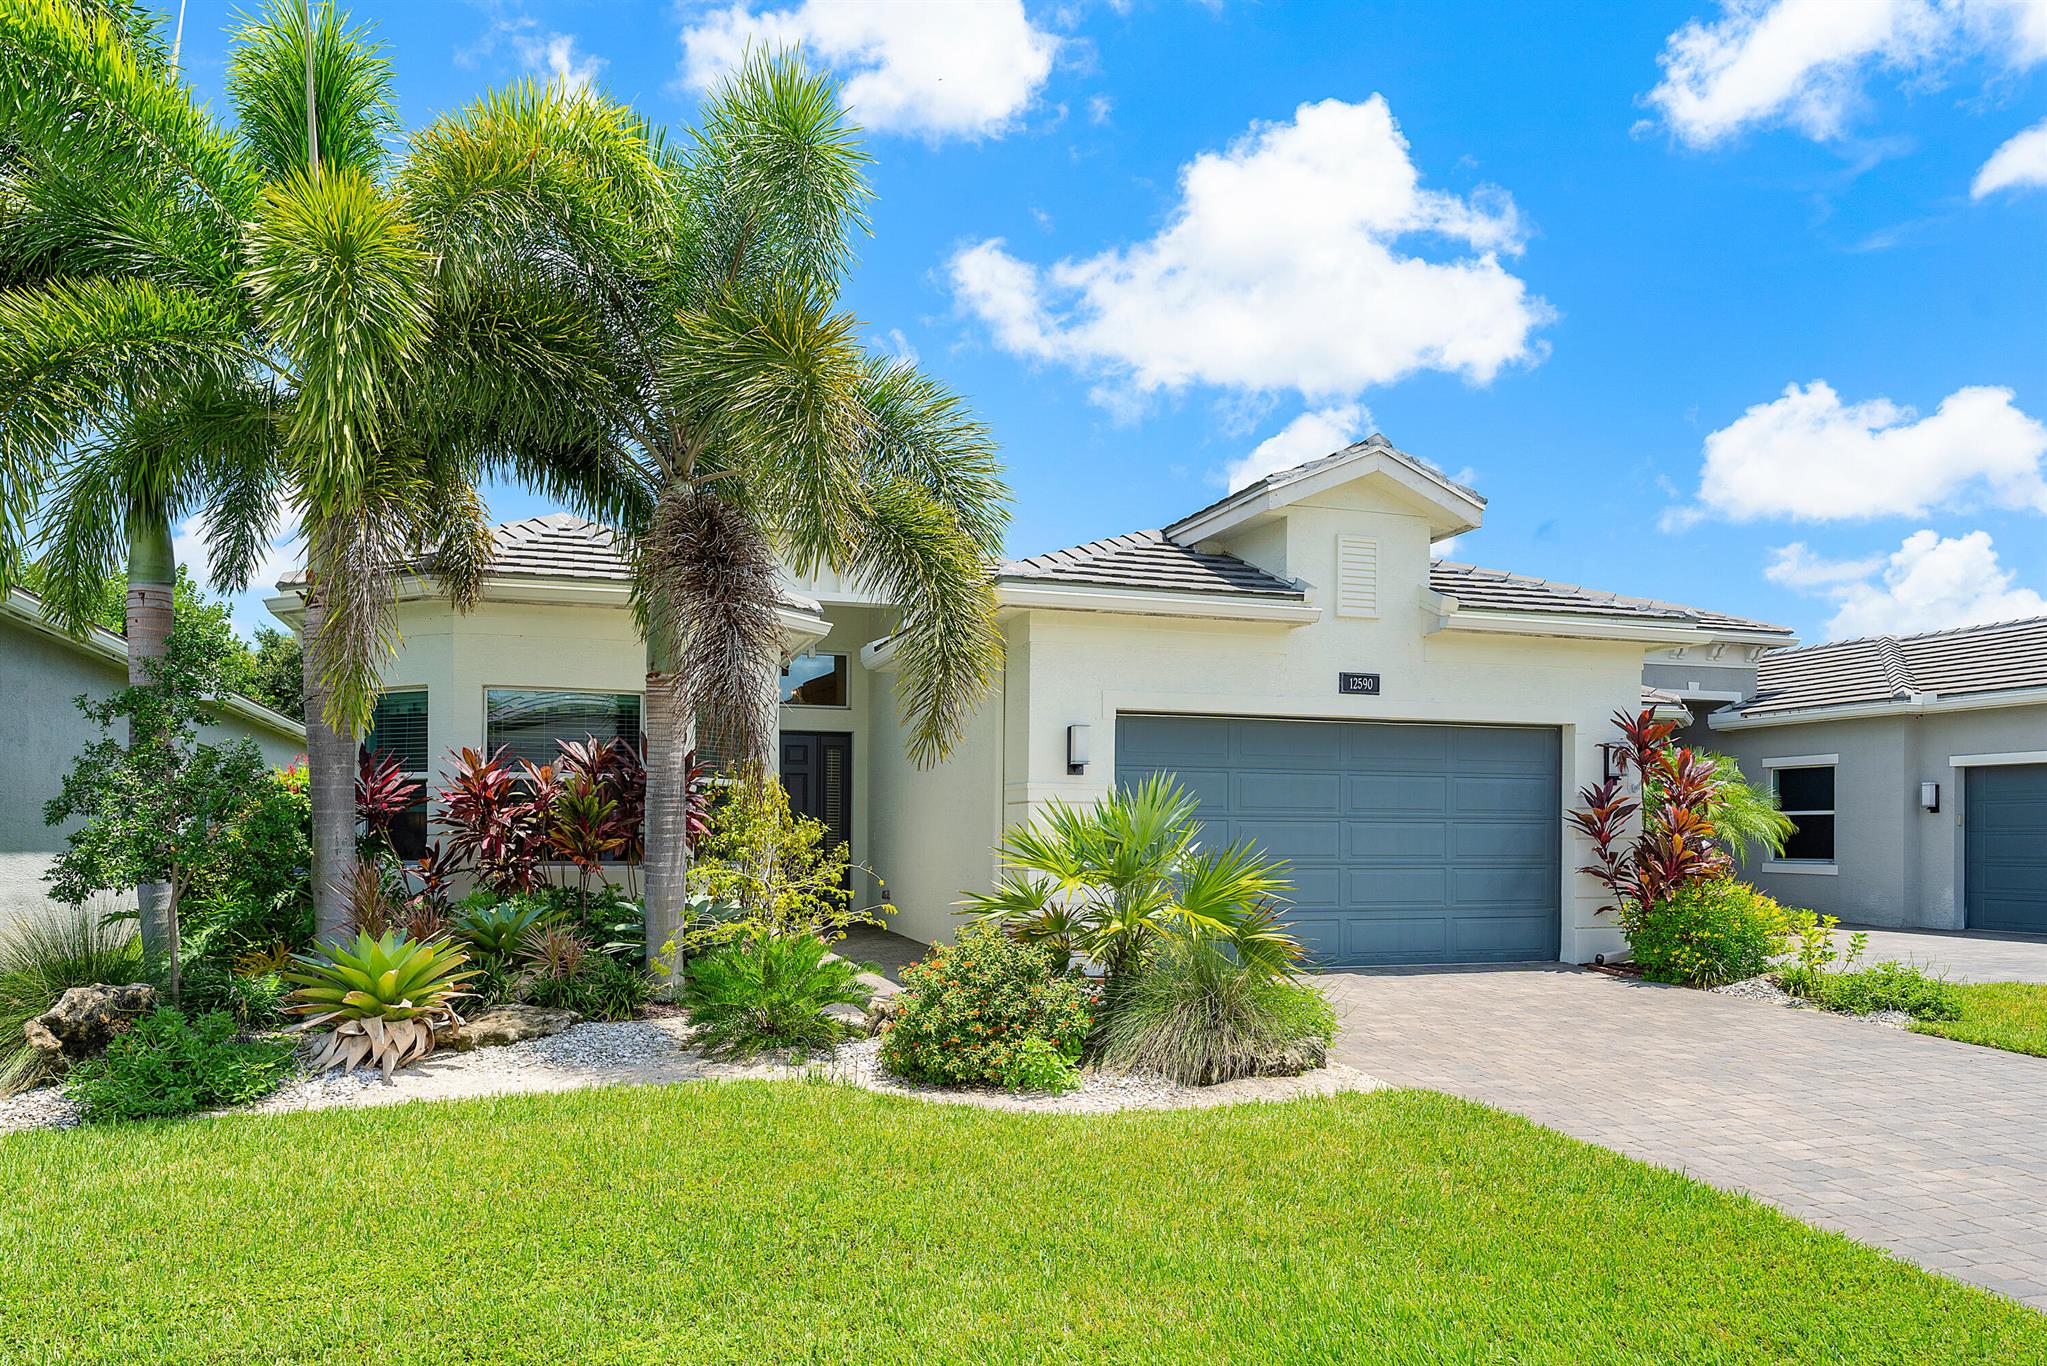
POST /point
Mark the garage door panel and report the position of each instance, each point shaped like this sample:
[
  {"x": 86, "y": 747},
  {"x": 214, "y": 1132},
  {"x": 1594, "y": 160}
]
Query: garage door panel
[
  {"x": 2004, "y": 875},
  {"x": 1394, "y": 841},
  {"x": 1408, "y": 844},
  {"x": 1210, "y": 787},
  {"x": 1386, "y": 793},
  {"x": 1289, "y": 792}
]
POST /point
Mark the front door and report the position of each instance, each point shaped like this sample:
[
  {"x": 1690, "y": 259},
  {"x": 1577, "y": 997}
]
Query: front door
[{"x": 817, "y": 769}]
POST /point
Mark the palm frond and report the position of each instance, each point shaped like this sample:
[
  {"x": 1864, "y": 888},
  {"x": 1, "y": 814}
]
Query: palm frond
[{"x": 352, "y": 99}]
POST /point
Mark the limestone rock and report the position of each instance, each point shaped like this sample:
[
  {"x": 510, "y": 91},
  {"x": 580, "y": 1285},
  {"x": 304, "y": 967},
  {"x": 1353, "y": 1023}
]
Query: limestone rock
[
  {"x": 510, "y": 1024},
  {"x": 84, "y": 1020}
]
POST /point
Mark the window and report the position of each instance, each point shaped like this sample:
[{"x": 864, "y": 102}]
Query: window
[
  {"x": 398, "y": 729},
  {"x": 814, "y": 681},
  {"x": 532, "y": 725},
  {"x": 1807, "y": 796}
]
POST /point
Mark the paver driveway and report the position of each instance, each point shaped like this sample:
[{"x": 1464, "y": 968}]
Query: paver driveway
[{"x": 1934, "y": 1149}]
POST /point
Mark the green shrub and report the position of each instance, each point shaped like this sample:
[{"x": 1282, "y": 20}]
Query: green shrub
[
  {"x": 771, "y": 870},
  {"x": 495, "y": 929},
  {"x": 989, "y": 1011},
  {"x": 166, "y": 1065},
  {"x": 254, "y": 1000},
  {"x": 565, "y": 972},
  {"x": 770, "y": 991},
  {"x": 1887, "y": 986},
  {"x": 1708, "y": 933},
  {"x": 1194, "y": 1013},
  {"x": 254, "y": 889},
  {"x": 41, "y": 959}
]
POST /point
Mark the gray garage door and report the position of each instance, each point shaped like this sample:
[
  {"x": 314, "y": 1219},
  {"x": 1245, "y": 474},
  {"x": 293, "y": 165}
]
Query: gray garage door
[
  {"x": 1409, "y": 844},
  {"x": 2004, "y": 877}
]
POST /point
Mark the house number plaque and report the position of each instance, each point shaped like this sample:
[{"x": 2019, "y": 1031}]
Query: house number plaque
[{"x": 1358, "y": 685}]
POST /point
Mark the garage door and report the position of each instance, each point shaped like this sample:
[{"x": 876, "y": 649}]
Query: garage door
[
  {"x": 2004, "y": 874},
  {"x": 1409, "y": 844}
]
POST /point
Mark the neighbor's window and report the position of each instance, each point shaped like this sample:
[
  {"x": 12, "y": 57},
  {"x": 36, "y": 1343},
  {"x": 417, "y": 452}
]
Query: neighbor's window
[
  {"x": 1807, "y": 796},
  {"x": 398, "y": 728},
  {"x": 532, "y": 725},
  {"x": 814, "y": 681}
]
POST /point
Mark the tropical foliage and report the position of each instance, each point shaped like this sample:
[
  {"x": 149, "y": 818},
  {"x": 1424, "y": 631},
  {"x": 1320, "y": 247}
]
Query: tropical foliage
[
  {"x": 1108, "y": 881},
  {"x": 771, "y": 870},
  {"x": 166, "y": 1065},
  {"x": 1709, "y": 933},
  {"x": 1675, "y": 843},
  {"x": 770, "y": 991},
  {"x": 378, "y": 1001},
  {"x": 1745, "y": 816},
  {"x": 989, "y": 1011},
  {"x": 1196, "y": 1014}
]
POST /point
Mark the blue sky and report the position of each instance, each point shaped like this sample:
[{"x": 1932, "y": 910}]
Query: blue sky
[{"x": 1742, "y": 307}]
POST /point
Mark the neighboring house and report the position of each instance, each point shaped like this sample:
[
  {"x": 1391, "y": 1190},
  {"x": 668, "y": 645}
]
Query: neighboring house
[
  {"x": 1406, "y": 732},
  {"x": 43, "y": 670},
  {"x": 1916, "y": 770}
]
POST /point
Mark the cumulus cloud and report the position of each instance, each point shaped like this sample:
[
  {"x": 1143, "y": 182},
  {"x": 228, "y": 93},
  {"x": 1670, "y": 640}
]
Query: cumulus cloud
[
  {"x": 2019, "y": 163},
  {"x": 1804, "y": 63},
  {"x": 1929, "y": 583},
  {"x": 284, "y": 553},
  {"x": 539, "y": 51},
  {"x": 1310, "y": 436},
  {"x": 1293, "y": 261},
  {"x": 1810, "y": 457},
  {"x": 954, "y": 70}
]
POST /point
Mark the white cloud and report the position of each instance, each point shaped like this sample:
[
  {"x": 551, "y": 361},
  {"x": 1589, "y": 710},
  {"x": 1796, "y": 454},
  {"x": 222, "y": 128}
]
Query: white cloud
[
  {"x": 1310, "y": 436},
  {"x": 953, "y": 70},
  {"x": 1810, "y": 457},
  {"x": 1803, "y": 63},
  {"x": 539, "y": 51},
  {"x": 1286, "y": 265},
  {"x": 1929, "y": 583},
  {"x": 284, "y": 553},
  {"x": 1099, "y": 107},
  {"x": 2021, "y": 161}
]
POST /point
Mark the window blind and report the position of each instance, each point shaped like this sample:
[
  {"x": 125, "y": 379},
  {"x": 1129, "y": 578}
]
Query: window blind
[
  {"x": 532, "y": 725},
  {"x": 398, "y": 728}
]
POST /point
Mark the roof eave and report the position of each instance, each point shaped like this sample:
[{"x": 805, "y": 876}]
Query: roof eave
[
  {"x": 1733, "y": 718},
  {"x": 1043, "y": 595},
  {"x": 1451, "y": 617},
  {"x": 1457, "y": 510}
]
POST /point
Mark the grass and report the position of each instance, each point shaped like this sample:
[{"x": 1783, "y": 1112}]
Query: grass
[
  {"x": 2008, "y": 1015},
  {"x": 810, "y": 1222}
]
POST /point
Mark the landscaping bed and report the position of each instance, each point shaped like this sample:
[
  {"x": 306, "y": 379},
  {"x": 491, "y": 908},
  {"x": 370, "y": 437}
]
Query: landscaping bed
[{"x": 800, "y": 1222}]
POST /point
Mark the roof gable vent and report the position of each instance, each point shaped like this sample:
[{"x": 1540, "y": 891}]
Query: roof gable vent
[{"x": 1357, "y": 576}]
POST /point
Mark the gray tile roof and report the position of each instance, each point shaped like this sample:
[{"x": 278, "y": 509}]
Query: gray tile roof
[
  {"x": 1498, "y": 590},
  {"x": 1280, "y": 478},
  {"x": 1965, "y": 660},
  {"x": 1146, "y": 559},
  {"x": 559, "y": 545}
]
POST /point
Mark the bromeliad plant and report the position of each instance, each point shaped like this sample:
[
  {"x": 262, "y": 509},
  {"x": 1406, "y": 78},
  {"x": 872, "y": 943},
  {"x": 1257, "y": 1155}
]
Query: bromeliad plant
[
  {"x": 381, "y": 999},
  {"x": 1675, "y": 845},
  {"x": 1108, "y": 881},
  {"x": 497, "y": 929}
]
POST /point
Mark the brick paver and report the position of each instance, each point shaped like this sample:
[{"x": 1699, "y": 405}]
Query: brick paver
[{"x": 1934, "y": 1149}]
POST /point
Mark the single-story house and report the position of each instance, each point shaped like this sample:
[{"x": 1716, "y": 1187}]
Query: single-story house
[
  {"x": 1915, "y": 768},
  {"x": 42, "y": 672},
  {"x": 1406, "y": 731}
]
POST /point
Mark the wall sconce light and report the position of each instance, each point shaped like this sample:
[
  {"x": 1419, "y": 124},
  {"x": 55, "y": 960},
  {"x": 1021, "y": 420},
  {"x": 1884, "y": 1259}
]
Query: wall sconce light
[
  {"x": 1076, "y": 749},
  {"x": 1929, "y": 796},
  {"x": 1606, "y": 768}
]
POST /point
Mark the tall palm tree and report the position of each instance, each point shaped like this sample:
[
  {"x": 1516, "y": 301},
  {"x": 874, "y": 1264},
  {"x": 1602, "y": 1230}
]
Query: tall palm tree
[
  {"x": 229, "y": 312},
  {"x": 724, "y": 408}
]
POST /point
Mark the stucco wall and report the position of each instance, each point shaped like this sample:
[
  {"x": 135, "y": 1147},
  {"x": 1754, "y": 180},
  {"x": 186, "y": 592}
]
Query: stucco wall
[
  {"x": 1895, "y": 864},
  {"x": 41, "y": 732}
]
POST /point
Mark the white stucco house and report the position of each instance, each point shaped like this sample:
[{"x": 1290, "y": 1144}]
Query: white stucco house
[{"x": 1406, "y": 731}]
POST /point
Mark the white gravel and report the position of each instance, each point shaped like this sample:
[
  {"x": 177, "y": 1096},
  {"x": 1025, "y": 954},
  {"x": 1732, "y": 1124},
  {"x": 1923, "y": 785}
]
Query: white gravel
[
  {"x": 1763, "y": 989},
  {"x": 658, "y": 1052}
]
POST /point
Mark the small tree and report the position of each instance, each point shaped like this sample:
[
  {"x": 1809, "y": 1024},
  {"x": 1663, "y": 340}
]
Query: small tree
[
  {"x": 772, "y": 870},
  {"x": 153, "y": 809},
  {"x": 1675, "y": 843}
]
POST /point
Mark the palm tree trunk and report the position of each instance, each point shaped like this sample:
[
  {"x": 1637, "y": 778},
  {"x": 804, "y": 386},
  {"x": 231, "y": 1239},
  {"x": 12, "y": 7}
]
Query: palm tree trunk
[
  {"x": 147, "y": 621},
  {"x": 331, "y": 766},
  {"x": 665, "y": 865}
]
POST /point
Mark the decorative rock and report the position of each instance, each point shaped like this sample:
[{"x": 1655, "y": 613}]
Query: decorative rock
[
  {"x": 510, "y": 1024},
  {"x": 84, "y": 1020},
  {"x": 881, "y": 1011}
]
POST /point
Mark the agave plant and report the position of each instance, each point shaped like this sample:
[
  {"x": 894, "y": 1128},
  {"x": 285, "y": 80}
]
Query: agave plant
[
  {"x": 497, "y": 930},
  {"x": 383, "y": 998}
]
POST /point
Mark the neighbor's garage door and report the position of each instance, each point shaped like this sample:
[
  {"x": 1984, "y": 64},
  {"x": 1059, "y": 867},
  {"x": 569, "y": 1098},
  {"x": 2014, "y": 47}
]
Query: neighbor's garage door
[
  {"x": 2004, "y": 876},
  {"x": 1409, "y": 844}
]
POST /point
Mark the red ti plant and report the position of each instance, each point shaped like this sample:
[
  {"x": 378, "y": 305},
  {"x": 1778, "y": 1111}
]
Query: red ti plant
[
  {"x": 494, "y": 824},
  {"x": 382, "y": 794},
  {"x": 1675, "y": 844},
  {"x": 696, "y": 799}
]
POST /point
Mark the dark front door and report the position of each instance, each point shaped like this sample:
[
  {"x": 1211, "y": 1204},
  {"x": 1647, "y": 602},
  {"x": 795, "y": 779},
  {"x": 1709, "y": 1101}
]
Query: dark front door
[
  {"x": 2004, "y": 829},
  {"x": 817, "y": 768}
]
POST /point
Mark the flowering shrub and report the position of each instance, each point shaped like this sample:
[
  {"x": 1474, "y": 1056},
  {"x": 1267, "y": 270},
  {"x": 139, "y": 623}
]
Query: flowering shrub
[
  {"x": 989, "y": 1010},
  {"x": 1708, "y": 933}
]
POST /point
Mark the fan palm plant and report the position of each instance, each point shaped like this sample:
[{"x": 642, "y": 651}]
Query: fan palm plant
[
  {"x": 198, "y": 318},
  {"x": 1110, "y": 880},
  {"x": 708, "y": 387}
]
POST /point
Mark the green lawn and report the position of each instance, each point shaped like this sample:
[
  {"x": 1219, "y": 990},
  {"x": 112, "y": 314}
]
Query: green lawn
[
  {"x": 809, "y": 1222},
  {"x": 2010, "y": 1015}
]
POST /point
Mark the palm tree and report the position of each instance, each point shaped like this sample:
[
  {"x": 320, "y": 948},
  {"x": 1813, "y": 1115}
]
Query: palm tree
[
  {"x": 227, "y": 311},
  {"x": 724, "y": 408}
]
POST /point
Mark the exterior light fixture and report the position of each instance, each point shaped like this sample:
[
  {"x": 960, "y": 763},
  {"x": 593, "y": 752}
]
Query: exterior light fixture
[
  {"x": 1929, "y": 796},
  {"x": 1076, "y": 749}
]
